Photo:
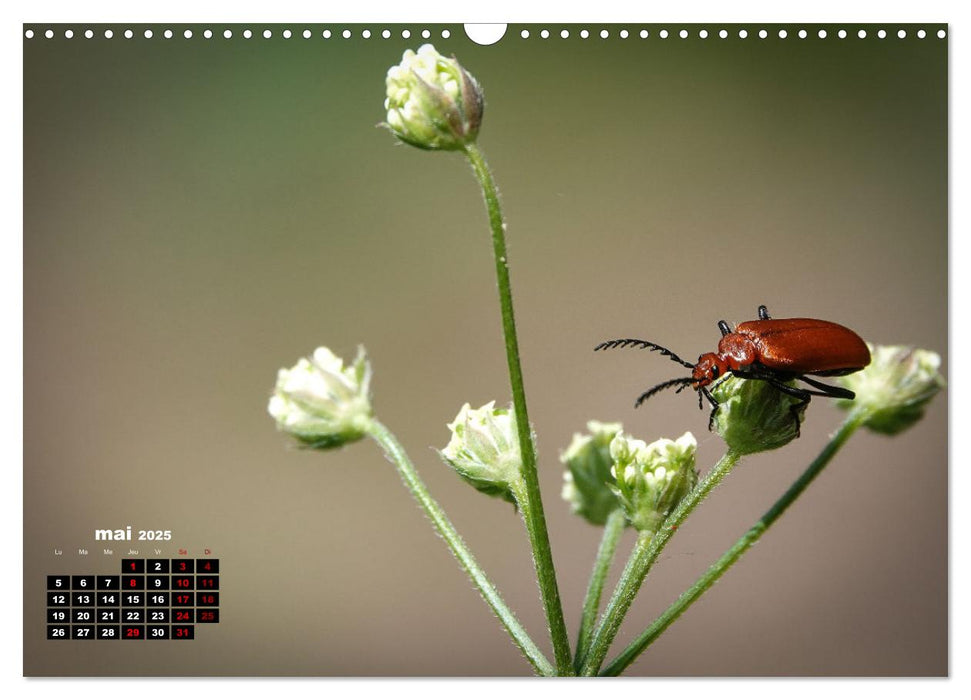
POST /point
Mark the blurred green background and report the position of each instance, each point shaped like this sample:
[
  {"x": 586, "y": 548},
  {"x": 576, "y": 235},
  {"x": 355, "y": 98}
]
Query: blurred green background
[{"x": 199, "y": 213}]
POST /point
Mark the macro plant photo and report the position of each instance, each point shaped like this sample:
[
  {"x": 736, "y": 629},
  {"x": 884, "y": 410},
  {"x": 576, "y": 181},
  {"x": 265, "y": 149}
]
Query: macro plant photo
[{"x": 596, "y": 351}]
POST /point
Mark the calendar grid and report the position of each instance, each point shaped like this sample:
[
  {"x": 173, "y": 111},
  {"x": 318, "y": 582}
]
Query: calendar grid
[{"x": 151, "y": 599}]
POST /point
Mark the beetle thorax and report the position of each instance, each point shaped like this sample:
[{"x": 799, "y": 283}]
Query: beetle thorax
[{"x": 735, "y": 351}]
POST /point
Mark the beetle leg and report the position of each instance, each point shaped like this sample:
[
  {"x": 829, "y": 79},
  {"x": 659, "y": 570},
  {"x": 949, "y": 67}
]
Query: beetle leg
[
  {"x": 723, "y": 327},
  {"x": 804, "y": 394},
  {"x": 764, "y": 313},
  {"x": 703, "y": 391},
  {"x": 833, "y": 392}
]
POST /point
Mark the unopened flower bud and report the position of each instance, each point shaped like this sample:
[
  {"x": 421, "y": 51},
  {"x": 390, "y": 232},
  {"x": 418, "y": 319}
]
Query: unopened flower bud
[
  {"x": 895, "y": 388},
  {"x": 754, "y": 416},
  {"x": 651, "y": 480},
  {"x": 587, "y": 478},
  {"x": 321, "y": 402},
  {"x": 432, "y": 102},
  {"x": 484, "y": 449}
]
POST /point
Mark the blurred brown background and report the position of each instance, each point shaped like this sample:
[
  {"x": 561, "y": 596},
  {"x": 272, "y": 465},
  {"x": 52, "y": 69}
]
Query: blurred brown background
[{"x": 199, "y": 213}]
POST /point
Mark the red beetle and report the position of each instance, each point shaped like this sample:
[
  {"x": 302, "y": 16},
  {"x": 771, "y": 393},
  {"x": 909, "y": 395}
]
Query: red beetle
[{"x": 774, "y": 350}]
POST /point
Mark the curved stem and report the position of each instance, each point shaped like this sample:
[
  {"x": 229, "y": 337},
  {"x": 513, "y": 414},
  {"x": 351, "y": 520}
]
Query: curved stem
[
  {"x": 613, "y": 529},
  {"x": 533, "y": 508},
  {"x": 715, "y": 572},
  {"x": 396, "y": 454},
  {"x": 646, "y": 551}
]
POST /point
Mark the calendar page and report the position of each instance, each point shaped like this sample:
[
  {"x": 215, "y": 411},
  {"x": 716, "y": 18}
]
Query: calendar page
[{"x": 287, "y": 288}]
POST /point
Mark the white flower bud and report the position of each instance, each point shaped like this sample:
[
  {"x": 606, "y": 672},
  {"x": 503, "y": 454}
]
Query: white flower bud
[
  {"x": 432, "y": 102},
  {"x": 896, "y": 387},
  {"x": 322, "y": 403},
  {"x": 484, "y": 449}
]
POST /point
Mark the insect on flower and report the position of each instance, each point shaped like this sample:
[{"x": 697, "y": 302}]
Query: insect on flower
[{"x": 774, "y": 350}]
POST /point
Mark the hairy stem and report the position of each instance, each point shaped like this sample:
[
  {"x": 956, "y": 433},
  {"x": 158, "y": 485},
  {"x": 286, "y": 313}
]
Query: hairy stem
[
  {"x": 715, "y": 572},
  {"x": 646, "y": 551},
  {"x": 613, "y": 529},
  {"x": 396, "y": 454},
  {"x": 533, "y": 508}
]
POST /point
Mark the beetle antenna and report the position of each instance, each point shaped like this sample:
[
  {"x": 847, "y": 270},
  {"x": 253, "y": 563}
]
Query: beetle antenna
[
  {"x": 642, "y": 344},
  {"x": 683, "y": 381}
]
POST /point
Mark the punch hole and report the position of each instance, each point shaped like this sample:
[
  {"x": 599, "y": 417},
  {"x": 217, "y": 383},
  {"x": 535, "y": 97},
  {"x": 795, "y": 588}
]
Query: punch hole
[
  {"x": 426, "y": 34},
  {"x": 624, "y": 34},
  {"x": 485, "y": 34},
  {"x": 941, "y": 34}
]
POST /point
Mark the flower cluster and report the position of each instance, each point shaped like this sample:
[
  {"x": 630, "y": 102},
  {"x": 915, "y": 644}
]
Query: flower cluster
[
  {"x": 587, "y": 479},
  {"x": 651, "y": 480}
]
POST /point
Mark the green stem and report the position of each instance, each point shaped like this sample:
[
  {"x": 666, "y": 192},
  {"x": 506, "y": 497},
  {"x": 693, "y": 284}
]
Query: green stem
[
  {"x": 715, "y": 572},
  {"x": 396, "y": 454},
  {"x": 533, "y": 508},
  {"x": 613, "y": 529},
  {"x": 646, "y": 551}
]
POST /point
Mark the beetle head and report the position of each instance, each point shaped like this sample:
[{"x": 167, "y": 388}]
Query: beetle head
[{"x": 708, "y": 368}]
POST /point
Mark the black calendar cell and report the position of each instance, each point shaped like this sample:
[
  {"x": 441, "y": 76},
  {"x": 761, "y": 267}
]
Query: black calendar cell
[
  {"x": 82, "y": 632},
  {"x": 84, "y": 616},
  {"x": 107, "y": 600},
  {"x": 132, "y": 566},
  {"x": 207, "y": 583},
  {"x": 132, "y": 616},
  {"x": 133, "y": 631},
  {"x": 183, "y": 566},
  {"x": 108, "y": 631},
  {"x": 135, "y": 600},
  {"x": 58, "y": 600},
  {"x": 82, "y": 583},
  {"x": 157, "y": 566},
  {"x": 157, "y": 583},
  {"x": 183, "y": 632},
  {"x": 80, "y": 599},
  {"x": 182, "y": 583},
  {"x": 157, "y": 600},
  {"x": 182, "y": 615},
  {"x": 157, "y": 632},
  {"x": 57, "y": 616},
  {"x": 133, "y": 583},
  {"x": 109, "y": 583},
  {"x": 207, "y": 600},
  {"x": 211, "y": 616},
  {"x": 57, "y": 583},
  {"x": 108, "y": 617},
  {"x": 158, "y": 617},
  {"x": 183, "y": 599},
  {"x": 207, "y": 566},
  {"x": 58, "y": 631}
]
